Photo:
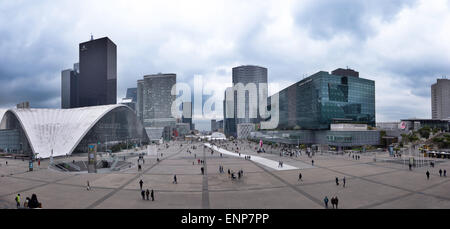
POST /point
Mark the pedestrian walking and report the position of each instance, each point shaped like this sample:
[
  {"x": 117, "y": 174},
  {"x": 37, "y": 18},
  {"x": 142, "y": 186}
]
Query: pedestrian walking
[
  {"x": 343, "y": 182},
  {"x": 440, "y": 172},
  {"x": 337, "y": 181},
  {"x": 312, "y": 162},
  {"x": 332, "y": 202},
  {"x": 88, "y": 186},
  {"x": 18, "y": 200},
  {"x": 147, "y": 193},
  {"x": 428, "y": 175},
  {"x": 445, "y": 173},
  {"x": 143, "y": 194},
  {"x": 141, "y": 183},
  {"x": 336, "y": 201},
  {"x": 202, "y": 170},
  {"x": 300, "y": 176},
  {"x": 152, "y": 195},
  {"x": 175, "y": 179},
  {"x": 326, "y": 202}
]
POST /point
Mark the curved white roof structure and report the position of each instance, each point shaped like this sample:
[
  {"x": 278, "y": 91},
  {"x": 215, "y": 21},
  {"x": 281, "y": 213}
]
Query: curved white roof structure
[{"x": 60, "y": 130}]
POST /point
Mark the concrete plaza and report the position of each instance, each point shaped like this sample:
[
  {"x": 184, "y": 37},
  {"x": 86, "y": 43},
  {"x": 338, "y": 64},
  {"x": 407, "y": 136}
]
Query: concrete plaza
[{"x": 369, "y": 184}]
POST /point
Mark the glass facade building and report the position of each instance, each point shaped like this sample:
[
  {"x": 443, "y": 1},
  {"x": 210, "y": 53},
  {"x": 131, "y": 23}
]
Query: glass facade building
[{"x": 322, "y": 99}]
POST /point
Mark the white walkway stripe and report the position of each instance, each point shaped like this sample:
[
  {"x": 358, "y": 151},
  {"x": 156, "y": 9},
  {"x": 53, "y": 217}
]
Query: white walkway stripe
[{"x": 263, "y": 161}]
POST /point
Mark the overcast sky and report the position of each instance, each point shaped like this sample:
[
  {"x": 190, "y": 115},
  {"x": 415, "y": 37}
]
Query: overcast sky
[{"x": 403, "y": 45}]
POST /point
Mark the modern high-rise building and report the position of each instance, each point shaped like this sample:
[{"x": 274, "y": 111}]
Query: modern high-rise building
[
  {"x": 154, "y": 104},
  {"x": 322, "y": 99},
  {"x": 97, "y": 81},
  {"x": 69, "y": 82},
  {"x": 440, "y": 99},
  {"x": 140, "y": 99},
  {"x": 158, "y": 100},
  {"x": 246, "y": 75},
  {"x": 132, "y": 94},
  {"x": 213, "y": 125},
  {"x": 187, "y": 114}
]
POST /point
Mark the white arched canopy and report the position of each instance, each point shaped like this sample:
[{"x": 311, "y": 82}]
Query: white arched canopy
[{"x": 60, "y": 130}]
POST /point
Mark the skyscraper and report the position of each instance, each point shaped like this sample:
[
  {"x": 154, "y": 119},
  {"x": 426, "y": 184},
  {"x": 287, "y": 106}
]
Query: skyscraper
[
  {"x": 97, "y": 82},
  {"x": 158, "y": 99},
  {"x": 440, "y": 99},
  {"x": 246, "y": 75},
  {"x": 69, "y": 81}
]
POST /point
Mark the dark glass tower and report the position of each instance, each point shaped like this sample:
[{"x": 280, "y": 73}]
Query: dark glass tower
[
  {"x": 97, "y": 82},
  {"x": 69, "y": 90}
]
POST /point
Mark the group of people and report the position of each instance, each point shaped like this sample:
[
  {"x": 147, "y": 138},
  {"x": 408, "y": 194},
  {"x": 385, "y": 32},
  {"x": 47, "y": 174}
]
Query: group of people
[
  {"x": 146, "y": 193},
  {"x": 334, "y": 202},
  {"x": 441, "y": 172},
  {"x": 29, "y": 202},
  {"x": 343, "y": 181},
  {"x": 231, "y": 175},
  {"x": 247, "y": 157}
]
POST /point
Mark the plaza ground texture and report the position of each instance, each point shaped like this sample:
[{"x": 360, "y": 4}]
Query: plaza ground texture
[{"x": 369, "y": 184}]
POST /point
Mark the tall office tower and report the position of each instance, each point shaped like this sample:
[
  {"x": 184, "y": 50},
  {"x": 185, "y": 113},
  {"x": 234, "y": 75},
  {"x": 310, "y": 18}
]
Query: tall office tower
[
  {"x": 158, "y": 100},
  {"x": 213, "y": 125},
  {"x": 247, "y": 75},
  {"x": 187, "y": 113},
  {"x": 140, "y": 99},
  {"x": 97, "y": 82},
  {"x": 132, "y": 94},
  {"x": 322, "y": 99},
  {"x": 440, "y": 99},
  {"x": 69, "y": 81}
]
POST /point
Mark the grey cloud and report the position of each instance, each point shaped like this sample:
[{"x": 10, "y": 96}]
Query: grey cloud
[{"x": 325, "y": 19}]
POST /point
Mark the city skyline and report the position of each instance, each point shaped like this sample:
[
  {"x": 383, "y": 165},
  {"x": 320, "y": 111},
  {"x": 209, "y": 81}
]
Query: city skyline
[{"x": 399, "y": 44}]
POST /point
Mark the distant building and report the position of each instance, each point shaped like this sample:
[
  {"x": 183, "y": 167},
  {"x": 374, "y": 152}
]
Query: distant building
[
  {"x": 23, "y": 105},
  {"x": 213, "y": 125},
  {"x": 245, "y": 75},
  {"x": 187, "y": 114},
  {"x": 132, "y": 94},
  {"x": 97, "y": 81},
  {"x": 154, "y": 104},
  {"x": 69, "y": 87},
  {"x": 440, "y": 99}
]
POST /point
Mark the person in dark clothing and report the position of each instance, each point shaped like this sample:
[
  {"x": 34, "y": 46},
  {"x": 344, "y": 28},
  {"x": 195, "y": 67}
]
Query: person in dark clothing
[
  {"x": 332, "y": 201},
  {"x": 326, "y": 202},
  {"x": 34, "y": 203},
  {"x": 445, "y": 173},
  {"x": 344, "y": 182},
  {"x": 175, "y": 179},
  {"x": 428, "y": 175},
  {"x": 336, "y": 201},
  {"x": 152, "y": 195},
  {"x": 300, "y": 176},
  {"x": 147, "y": 193},
  {"x": 143, "y": 194},
  {"x": 141, "y": 183},
  {"x": 337, "y": 181},
  {"x": 440, "y": 172},
  {"x": 203, "y": 170}
]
